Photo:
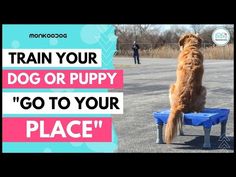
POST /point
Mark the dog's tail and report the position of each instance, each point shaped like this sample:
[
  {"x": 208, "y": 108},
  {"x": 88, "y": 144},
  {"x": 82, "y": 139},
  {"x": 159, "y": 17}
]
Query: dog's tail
[{"x": 175, "y": 118}]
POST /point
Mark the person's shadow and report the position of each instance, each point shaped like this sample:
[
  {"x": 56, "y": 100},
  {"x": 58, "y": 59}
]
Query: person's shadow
[{"x": 217, "y": 142}]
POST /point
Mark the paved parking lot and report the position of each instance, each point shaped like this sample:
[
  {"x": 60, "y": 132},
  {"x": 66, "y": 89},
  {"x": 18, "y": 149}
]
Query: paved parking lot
[{"x": 146, "y": 91}]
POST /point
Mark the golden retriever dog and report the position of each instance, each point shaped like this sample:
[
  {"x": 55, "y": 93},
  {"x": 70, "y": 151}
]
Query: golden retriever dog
[{"x": 187, "y": 94}]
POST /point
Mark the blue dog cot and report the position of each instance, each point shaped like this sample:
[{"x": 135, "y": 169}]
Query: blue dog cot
[{"x": 207, "y": 118}]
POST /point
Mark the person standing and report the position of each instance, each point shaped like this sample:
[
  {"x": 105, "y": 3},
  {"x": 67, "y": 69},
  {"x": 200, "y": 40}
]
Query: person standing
[{"x": 135, "y": 48}]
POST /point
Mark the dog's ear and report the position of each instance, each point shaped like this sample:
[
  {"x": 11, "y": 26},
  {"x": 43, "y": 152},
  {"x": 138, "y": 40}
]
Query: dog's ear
[
  {"x": 182, "y": 39},
  {"x": 199, "y": 39}
]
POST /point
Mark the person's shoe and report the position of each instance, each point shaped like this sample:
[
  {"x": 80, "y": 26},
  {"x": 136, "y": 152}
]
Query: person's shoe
[{"x": 139, "y": 63}]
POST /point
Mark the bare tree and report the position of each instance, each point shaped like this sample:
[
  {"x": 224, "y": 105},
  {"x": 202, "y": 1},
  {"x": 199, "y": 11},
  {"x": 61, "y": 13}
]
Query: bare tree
[
  {"x": 197, "y": 28},
  {"x": 142, "y": 29},
  {"x": 153, "y": 36},
  {"x": 206, "y": 35},
  {"x": 231, "y": 31}
]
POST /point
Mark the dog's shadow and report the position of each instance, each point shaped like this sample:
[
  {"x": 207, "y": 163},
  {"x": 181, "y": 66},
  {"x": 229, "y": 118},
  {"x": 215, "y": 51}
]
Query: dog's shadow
[{"x": 217, "y": 142}]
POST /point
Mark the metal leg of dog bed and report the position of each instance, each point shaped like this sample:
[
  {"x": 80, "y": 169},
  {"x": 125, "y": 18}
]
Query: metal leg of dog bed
[
  {"x": 159, "y": 139},
  {"x": 223, "y": 129},
  {"x": 207, "y": 142},
  {"x": 181, "y": 132}
]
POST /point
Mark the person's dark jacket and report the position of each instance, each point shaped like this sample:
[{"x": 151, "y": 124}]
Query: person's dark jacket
[{"x": 135, "y": 48}]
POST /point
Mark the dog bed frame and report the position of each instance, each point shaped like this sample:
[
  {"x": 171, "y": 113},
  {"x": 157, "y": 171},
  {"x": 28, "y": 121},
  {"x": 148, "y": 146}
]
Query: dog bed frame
[{"x": 207, "y": 118}]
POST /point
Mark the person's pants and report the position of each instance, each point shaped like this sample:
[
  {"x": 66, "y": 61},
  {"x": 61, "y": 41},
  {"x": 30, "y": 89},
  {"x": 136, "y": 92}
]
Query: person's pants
[{"x": 136, "y": 58}]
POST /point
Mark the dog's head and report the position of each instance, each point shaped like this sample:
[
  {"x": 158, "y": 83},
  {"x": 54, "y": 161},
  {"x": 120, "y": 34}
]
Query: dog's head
[{"x": 190, "y": 40}]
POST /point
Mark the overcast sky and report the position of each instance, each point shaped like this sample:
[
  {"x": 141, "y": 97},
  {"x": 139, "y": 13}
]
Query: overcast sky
[{"x": 166, "y": 27}]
